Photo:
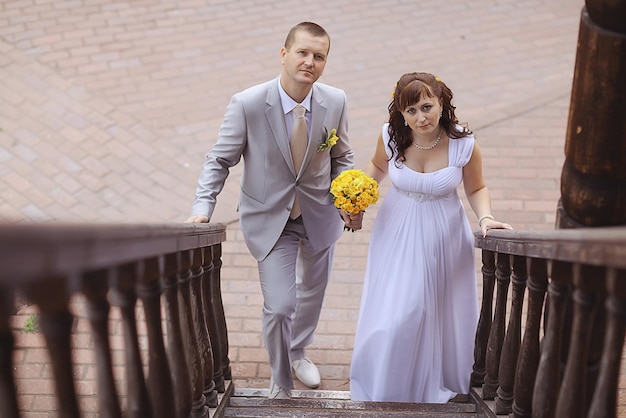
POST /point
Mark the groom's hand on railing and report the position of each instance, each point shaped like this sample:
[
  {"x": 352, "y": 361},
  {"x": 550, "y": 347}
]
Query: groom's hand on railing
[{"x": 196, "y": 219}]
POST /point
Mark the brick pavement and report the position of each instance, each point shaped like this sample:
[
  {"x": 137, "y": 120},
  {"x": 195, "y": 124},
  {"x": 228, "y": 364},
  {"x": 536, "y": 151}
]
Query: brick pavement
[{"x": 107, "y": 107}]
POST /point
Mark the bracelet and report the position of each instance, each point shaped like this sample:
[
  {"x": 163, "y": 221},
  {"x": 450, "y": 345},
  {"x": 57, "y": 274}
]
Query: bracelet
[{"x": 485, "y": 217}]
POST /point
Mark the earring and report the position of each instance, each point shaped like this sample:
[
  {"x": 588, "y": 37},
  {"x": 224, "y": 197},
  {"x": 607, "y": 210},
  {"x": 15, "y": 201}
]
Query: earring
[
  {"x": 405, "y": 124},
  {"x": 441, "y": 114}
]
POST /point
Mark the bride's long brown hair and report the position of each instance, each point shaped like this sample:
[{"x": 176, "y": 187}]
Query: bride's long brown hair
[{"x": 409, "y": 90}]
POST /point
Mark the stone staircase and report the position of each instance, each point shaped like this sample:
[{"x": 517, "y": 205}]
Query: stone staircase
[{"x": 253, "y": 403}]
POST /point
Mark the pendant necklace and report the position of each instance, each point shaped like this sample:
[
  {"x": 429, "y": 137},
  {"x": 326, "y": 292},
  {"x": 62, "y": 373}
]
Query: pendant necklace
[{"x": 418, "y": 146}]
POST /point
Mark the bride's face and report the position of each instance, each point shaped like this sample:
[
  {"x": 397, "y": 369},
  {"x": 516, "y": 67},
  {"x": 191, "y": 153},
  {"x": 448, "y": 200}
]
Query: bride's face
[{"x": 423, "y": 117}]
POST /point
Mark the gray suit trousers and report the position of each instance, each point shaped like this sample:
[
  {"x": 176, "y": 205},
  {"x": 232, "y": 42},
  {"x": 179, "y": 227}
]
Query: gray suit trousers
[{"x": 293, "y": 281}]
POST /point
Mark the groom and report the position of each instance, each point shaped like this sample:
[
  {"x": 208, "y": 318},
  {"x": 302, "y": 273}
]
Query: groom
[{"x": 286, "y": 213}]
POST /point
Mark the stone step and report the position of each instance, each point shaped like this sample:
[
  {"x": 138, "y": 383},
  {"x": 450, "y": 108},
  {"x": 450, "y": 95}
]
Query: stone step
[{"x": 253, "y": 403}]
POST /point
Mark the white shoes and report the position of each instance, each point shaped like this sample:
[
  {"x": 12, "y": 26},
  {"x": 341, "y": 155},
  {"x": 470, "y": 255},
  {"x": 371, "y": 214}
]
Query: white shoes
[
  {"x": 276, "y": 392},
  {"x": 306, "y": 372}
]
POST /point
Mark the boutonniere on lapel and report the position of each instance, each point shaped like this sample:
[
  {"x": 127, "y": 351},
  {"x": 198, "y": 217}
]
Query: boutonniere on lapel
[{"x": 330, "y": 139}]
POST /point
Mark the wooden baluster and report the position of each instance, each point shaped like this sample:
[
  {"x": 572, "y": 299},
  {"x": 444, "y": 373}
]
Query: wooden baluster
[
  {"x": 176, "y": 353},
  {"x": 122, "y": 295},
  {"x": 211, "y": 320},
  {"x": 604, "y": 401},
  {"x": 484, "y": 322},
  {"x": 205, "y": 351},
  {"x": 598, "y": 277},
  {"x": 159, "y": 375},
  {"x": 548, "y": 380},
  {"x": 211, "y": 356},
  {"x": 95, "y": 286},
  {"x": 218, "y": 308},
  {"x": 187, "y": 301},
  {"x": 496, "y": 335},
  {"x": 8, "y": 395},
  {"x": 512, "y": 340},
  {"x": 528, "y": 359},
  {"x": 55, "y": 322},
  {"x": 573, "y": 400}
]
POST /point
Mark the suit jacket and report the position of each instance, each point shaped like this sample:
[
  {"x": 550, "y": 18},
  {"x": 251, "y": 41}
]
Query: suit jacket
[{"x": 254, "y": 127}]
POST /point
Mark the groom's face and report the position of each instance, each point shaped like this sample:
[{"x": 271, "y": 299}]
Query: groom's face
[{"x": 304, "y": 60}]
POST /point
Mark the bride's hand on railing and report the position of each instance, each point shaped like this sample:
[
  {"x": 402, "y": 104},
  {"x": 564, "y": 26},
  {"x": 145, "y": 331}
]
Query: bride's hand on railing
[{"x": 487, "y": 223}]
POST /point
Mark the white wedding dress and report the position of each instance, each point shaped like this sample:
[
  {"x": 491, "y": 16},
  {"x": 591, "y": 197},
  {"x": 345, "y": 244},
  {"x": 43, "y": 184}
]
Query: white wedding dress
[{"x": 419, "y": 308}]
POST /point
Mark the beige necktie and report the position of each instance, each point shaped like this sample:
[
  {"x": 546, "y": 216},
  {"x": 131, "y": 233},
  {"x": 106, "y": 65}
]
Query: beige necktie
[{"x": 298, "y": 143}]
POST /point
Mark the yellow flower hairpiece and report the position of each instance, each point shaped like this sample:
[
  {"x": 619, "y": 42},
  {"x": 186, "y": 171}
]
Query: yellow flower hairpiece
[
  {"x": 393, "y": 92},
  {"x": 437, "y": 79}
]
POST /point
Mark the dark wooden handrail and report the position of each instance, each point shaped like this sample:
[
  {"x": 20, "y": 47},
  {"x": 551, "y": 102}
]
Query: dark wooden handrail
[
  {"x": 173, "y": 270},
  {"x": 594, "y": 246},
  {"x": 571, "y": 370},
  {"x": 30, "y": 251}
]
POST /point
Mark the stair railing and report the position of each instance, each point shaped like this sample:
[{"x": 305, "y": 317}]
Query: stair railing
[
  {"x": 567, "y": 362},
  {"x": 172, "y": 270}
]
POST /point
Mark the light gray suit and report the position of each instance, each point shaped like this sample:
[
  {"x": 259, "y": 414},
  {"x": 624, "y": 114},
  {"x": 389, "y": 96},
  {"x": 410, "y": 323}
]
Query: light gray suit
[{"x": 254, "y": 127}]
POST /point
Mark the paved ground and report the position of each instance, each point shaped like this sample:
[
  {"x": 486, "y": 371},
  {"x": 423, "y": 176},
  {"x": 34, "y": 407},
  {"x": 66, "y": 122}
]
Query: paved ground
[{"x": 107, "y": 108}]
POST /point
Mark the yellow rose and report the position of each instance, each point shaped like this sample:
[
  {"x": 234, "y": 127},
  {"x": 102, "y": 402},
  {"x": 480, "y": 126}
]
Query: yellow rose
[{"x": 353, "y": 191}]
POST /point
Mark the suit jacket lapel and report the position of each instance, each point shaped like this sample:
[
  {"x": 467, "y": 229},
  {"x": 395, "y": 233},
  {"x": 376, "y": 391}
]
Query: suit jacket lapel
[
  {"x": 316, "y": 132},
  {"x": 276, "y": 119}
]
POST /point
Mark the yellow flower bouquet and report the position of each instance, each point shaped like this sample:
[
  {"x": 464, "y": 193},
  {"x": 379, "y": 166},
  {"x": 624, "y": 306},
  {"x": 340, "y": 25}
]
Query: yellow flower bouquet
[{"x": 353, "y": 191}]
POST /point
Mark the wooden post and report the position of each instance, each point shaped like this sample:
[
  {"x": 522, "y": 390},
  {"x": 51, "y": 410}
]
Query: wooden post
[{"x": 593, "y": 181}]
